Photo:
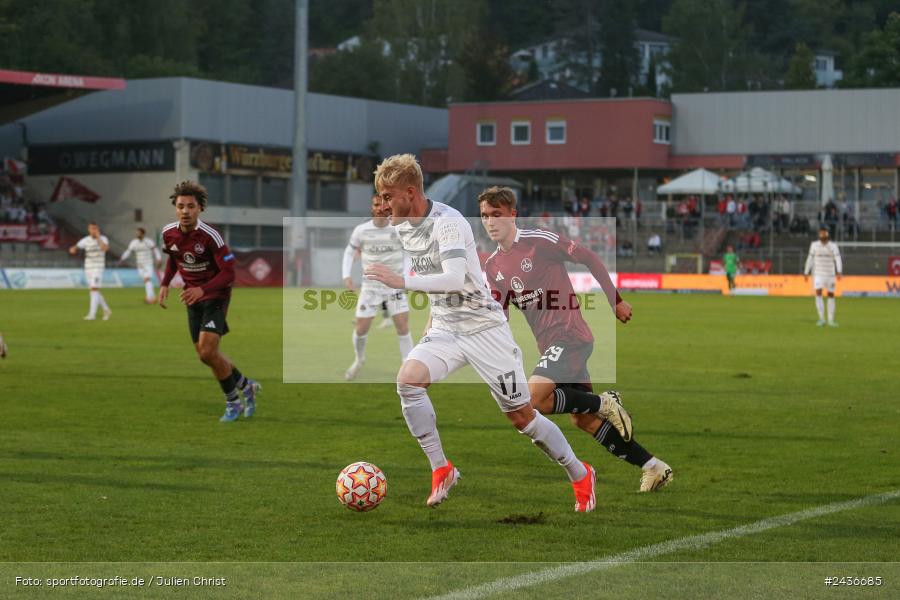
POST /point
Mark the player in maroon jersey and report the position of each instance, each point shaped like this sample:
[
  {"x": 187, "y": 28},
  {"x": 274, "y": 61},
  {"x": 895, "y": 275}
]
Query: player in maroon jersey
[
  {"x": 528, "y": 270},
  {"x": 199, "y": 254}
]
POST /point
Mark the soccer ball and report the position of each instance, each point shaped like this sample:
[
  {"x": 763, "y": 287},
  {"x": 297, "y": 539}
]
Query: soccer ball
[{"x": 361, "y": 486}]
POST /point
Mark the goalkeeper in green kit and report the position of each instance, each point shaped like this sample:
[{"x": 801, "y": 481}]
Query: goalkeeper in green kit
[{"x": 731, "y": 261}]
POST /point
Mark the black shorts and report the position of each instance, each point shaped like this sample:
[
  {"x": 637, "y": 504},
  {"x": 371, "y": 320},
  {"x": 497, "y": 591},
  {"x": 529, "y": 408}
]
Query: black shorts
[
  {"x": 208, "y": 315},
  {"x": 565, "y": 363}
]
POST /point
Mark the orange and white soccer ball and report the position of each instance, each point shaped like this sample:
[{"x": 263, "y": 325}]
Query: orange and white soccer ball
[{"x": 361, "y": 486}]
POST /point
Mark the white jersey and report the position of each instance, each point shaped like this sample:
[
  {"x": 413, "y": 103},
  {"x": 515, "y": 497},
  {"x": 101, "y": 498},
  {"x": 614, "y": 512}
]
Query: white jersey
[
  {"x": 824, "y": 260},
  {"x": 145, "y": 252},
  {"x": 445, "y": 234},
  {"x": 94, "y": 255},
  {"x": 375, "y": 245}
]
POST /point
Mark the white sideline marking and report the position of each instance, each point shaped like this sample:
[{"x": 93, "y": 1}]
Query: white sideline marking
[{"x": 694, "y": 542}]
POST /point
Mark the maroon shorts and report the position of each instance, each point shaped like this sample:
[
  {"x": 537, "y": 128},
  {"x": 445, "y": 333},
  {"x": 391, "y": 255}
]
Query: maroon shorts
[{"x": 565, "y": 363}]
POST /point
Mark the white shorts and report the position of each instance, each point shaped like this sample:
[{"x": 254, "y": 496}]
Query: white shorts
[
  {"x": 826, "y": 283},
  {"x": 94, "y": 278},
  {"x": 369, "y": 303},
  {"x": 146, "y": 272},
  {"x": 493, "y": 354}
]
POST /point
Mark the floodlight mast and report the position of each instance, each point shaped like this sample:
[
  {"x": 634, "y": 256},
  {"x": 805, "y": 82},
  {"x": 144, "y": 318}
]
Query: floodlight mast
[{"x": 298, "y": 236}]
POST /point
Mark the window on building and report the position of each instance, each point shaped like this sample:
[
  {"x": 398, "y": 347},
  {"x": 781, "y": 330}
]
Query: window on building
[
  {"x": 242, "y": 191},
  {"x": 821, "y": 64},
  {"x": 661, "y": 131},
  {"x": 215, "y": 186},
  {"x": 545, "y": 50},
  {"x": 487, "y": 133},
  {"x": 556, "y": 132},
  {"x": 242, "y": 236},
  {"x": 520, "y": 133},
  {"x": 271, "y": 236},
  {"x": 332, "y": 196},
  {"x": 274, "y": 192}
]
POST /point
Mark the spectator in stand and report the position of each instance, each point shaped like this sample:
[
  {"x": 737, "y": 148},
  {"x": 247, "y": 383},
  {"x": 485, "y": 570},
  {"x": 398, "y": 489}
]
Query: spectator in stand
[
  {"x": 830, "y": 218},
  {"x": 753, "y": 211},
  {"x": 597, "y": 202},
  {"x": 654, "y": 244},
  {"x": 585, "y": 207},
  {"x": 626, "y": 249},
  {"x": 892, "y": 211},
  {"x": 731, "y": 210},
  {"x": 628, "y": 208},
  {"x": 722, "y": 209},
  {"x": 638, "y": 208},
  {"x": 614, "y": 208},
  {"x": 742, "y": 214}
]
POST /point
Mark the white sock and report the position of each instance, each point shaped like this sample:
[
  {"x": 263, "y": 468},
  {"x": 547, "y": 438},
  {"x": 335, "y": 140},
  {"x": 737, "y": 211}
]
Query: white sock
[
  {"x": 406, "y": 344},
  {"x": 102, "y": 301},
  {"x": 359, "y": 346},
  {"x": 830, "y": 310},
  {"x": 148, "y": 289},
  {"x": 92, "y": 311},
  {"x": 820, "y": 307},
  {"x": 422, "y": 423},
  {"x": 649, "y": 464},
  {"x": 548, "y": 437}
]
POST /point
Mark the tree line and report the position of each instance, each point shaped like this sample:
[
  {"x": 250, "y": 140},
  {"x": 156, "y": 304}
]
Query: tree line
[{"x": 437, "y": 51}]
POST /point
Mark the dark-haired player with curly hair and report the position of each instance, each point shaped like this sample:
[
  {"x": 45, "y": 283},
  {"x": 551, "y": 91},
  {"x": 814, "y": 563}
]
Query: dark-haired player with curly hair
[{"x": 199, "y": 254}]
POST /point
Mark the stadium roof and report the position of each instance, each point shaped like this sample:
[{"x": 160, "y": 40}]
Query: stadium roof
[{"x": 24, "y": 92}]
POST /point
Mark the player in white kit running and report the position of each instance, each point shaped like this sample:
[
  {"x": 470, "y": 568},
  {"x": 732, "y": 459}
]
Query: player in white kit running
[
  {"x": 95, "y": 246},
  {"x": 466, "y": 327},
  {"x": 824, "y": 261},
  {"x": 376, "y": 241},
  {"x": 147, "y": 259}
]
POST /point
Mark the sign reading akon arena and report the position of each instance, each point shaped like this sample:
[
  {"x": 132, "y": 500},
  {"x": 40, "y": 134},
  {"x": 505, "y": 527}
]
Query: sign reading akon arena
[{"x": 101, "y": 158}]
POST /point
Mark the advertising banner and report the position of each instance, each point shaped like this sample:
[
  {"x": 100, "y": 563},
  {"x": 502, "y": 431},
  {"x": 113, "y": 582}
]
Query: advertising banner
[
  {"x": 782, "y": 285},
  {"x": 31, "y": 279}
]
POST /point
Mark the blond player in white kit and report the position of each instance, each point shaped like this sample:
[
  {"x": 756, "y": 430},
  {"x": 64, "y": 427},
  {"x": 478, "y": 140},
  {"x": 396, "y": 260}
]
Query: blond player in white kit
[
  {"x": 824, "y": 261},
  {"x": 467, "y": 327},
  {"x": 376, "y": 241},
  {"x": 147, "y": 259},
  {"x": 95, "y": 246}
]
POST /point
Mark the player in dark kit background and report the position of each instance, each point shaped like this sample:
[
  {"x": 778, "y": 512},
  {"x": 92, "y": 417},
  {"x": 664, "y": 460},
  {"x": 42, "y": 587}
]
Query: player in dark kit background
[
  {"x": 199, "y": 254},
  {"x": 528, "y": 270}
]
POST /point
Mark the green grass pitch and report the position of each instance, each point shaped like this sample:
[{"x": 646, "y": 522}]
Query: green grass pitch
[{"x": 110, "y": 449}]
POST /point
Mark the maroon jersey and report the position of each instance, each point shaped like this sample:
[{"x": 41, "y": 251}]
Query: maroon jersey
[
  {"x": 533, "y": 277},
  {"x": 201, "y": 257}
]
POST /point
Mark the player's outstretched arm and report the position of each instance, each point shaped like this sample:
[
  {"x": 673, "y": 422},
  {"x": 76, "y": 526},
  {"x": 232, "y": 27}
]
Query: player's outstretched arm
[
  {"x": 171, "y": 268},
  {"x": 589, "y": 259},
  {"x": 350, "y": 254},
  {"x": 451, "y": 280}
]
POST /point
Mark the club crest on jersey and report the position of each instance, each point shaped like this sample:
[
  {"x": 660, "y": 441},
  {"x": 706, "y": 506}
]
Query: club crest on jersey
[
  {"x": 526, "y": 264},
  {"x": 189, "y": 258},
  {"x": 199, "y": 248},
  {"x": 517, "y": 284}
]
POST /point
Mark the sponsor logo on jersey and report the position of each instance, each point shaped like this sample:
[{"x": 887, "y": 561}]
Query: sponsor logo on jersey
[
  {"x": 189, "y": 258},
  {"x": 199, "y": 248},
  {"x": 423, "y": 264},
  {"x": 517, "y": 284},
  {"x": 526, "y": 264},
  {"x": 499, "y": 276},
  {"x": 382, "y": 249}
]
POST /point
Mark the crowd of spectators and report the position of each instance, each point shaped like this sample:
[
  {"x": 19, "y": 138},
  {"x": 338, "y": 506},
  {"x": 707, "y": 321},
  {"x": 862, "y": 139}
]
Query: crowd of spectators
[{"x": 15, "y": 208}]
